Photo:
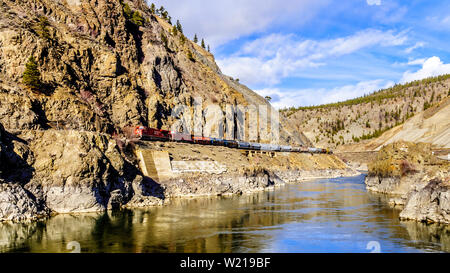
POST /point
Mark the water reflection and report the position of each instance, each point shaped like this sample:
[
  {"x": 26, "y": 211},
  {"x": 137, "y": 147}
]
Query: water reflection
[{"x": 335, "y": 215}]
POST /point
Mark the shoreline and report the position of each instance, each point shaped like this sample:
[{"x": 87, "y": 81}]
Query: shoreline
[
  {"x": 259, "y": 181},
  {"x": 420, "y": 197}
]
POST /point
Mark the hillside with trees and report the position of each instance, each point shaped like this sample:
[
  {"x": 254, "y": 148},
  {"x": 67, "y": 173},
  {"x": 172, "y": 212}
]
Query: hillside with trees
[{"x": 366, "y": 118}]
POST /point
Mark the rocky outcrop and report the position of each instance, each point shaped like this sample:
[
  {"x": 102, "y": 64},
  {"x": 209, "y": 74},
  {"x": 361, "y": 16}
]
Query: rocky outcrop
[
  {"x": 243, "y": 183},
  {"x": 422, "y": 187},
  {"x": 64, "y": 172},
  {"x": 430, "y": 204},
  {"x": 17, "y": 204},
  {"x": 215, "y": 185}
]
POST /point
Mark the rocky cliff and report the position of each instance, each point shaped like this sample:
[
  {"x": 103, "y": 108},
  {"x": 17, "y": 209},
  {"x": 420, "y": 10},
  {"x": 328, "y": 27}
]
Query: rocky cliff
[
  {"x": 102, "y": 69},
  {"x": 93, "y": 68},
  {"x": 416, "y": 180}
]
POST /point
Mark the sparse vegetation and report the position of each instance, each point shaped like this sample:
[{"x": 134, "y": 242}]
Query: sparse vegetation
[
  {"x": 164, "y": 40},
  {"x": 137, "y": 19},
  {"x": 190, "y": 56},
  {"x": 134, "y": 17},
  {"x": 370, "y": 116},
  {"x": 376, "y": 97},
  {"x": 403, "y": 158},
  {"x": 43, "y": 28}
]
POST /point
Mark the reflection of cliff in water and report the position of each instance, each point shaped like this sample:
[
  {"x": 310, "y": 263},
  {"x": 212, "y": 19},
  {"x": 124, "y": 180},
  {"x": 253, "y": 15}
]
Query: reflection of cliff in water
[{"x": 249, "y": 223}]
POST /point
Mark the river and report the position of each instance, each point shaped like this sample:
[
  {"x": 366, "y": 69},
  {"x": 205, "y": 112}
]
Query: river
[{"x": 330, "y": 215}]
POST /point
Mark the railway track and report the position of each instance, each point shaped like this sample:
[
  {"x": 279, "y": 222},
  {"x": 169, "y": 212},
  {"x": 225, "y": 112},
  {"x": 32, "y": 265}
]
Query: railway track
[{"x": 151, "y": 134}]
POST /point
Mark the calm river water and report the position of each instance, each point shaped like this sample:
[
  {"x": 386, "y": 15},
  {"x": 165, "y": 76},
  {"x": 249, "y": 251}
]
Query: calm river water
[{"x": 331, "y": 215}]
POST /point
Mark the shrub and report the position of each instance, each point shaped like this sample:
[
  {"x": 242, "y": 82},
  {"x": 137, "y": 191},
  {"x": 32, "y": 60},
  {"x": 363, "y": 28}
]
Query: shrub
[
  {"x": 174, "y": 31},
  {"x": 164, "y": 40},
  {"x": 127, "y": 11},
  {"x": 407, "y": 168},
  {"x": 383, "y": 168},
  {"x": 137, "y": 19},
  {"x": 43, "y": 28},
  {"x": 190, "y": 56}
]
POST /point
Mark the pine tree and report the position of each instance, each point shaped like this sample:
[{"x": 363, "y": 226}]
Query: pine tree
[
  {"x": 209, "y": 49},
  {"x": 161, "y": 10},
  {"x": 203, "y": 43},
  {"x": 174, "y": 31},
  {"x": 195, "y": 38},
  {"x": 153, "y": 8},
  {"x": 31, "y": 75},
  {"x": 179, "y": 27}
]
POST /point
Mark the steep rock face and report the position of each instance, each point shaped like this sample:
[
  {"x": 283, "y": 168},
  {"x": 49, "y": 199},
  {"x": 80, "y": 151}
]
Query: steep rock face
[
  {"x": 101, "y": 71},
  {"x": 63, "y": 171},
  {"x": 430, "y": 204}
]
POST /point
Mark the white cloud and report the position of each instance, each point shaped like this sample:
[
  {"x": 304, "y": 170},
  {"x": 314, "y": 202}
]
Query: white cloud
[
  {"x": 416, "y": 46},
  {"x": 270, "y": 59},
  {"x": 373, "y": 2},
  {"x": 417, "y": 61},
  {"x": 222, "y": 21},
  {"x": 282, "y": 98},
  {"x": 431, "y": 67}
]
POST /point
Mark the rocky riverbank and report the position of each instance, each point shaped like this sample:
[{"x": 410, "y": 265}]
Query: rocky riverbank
[
  {"x": 249, "y": 181},
  {"x": 417, "y": 181},
  {"x": 45, "y": 172}
]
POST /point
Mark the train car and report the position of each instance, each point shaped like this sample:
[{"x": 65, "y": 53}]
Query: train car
[
  {"x": 152, "y": 134},
  {"x": 217, "y": 142},
  {"x": 296, "y": 149},
  {"x": 316, "y": 150},
  {"x": 230, "y": 143},
  {"x": 201, "y": 140},
  {"x": 303, "y": 149},
  {"x": 255, "y": 146},
  {"x": 270, "y": 147},
  {"x": 244, "y": 145},
  {"x": 285, "y": 148},
  {"x": 180, "y": 137}
]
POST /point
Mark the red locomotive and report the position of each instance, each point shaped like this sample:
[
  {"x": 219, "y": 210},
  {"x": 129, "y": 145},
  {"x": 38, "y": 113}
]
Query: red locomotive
[{"x": 152, "y": 134}]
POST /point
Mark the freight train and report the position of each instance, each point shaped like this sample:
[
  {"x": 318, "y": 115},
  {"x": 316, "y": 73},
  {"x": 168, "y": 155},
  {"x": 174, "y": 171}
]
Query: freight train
[{"x": 152, "y": 134}]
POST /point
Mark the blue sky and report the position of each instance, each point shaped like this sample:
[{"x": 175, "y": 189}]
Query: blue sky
[{"x": 309, "y": 52}]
